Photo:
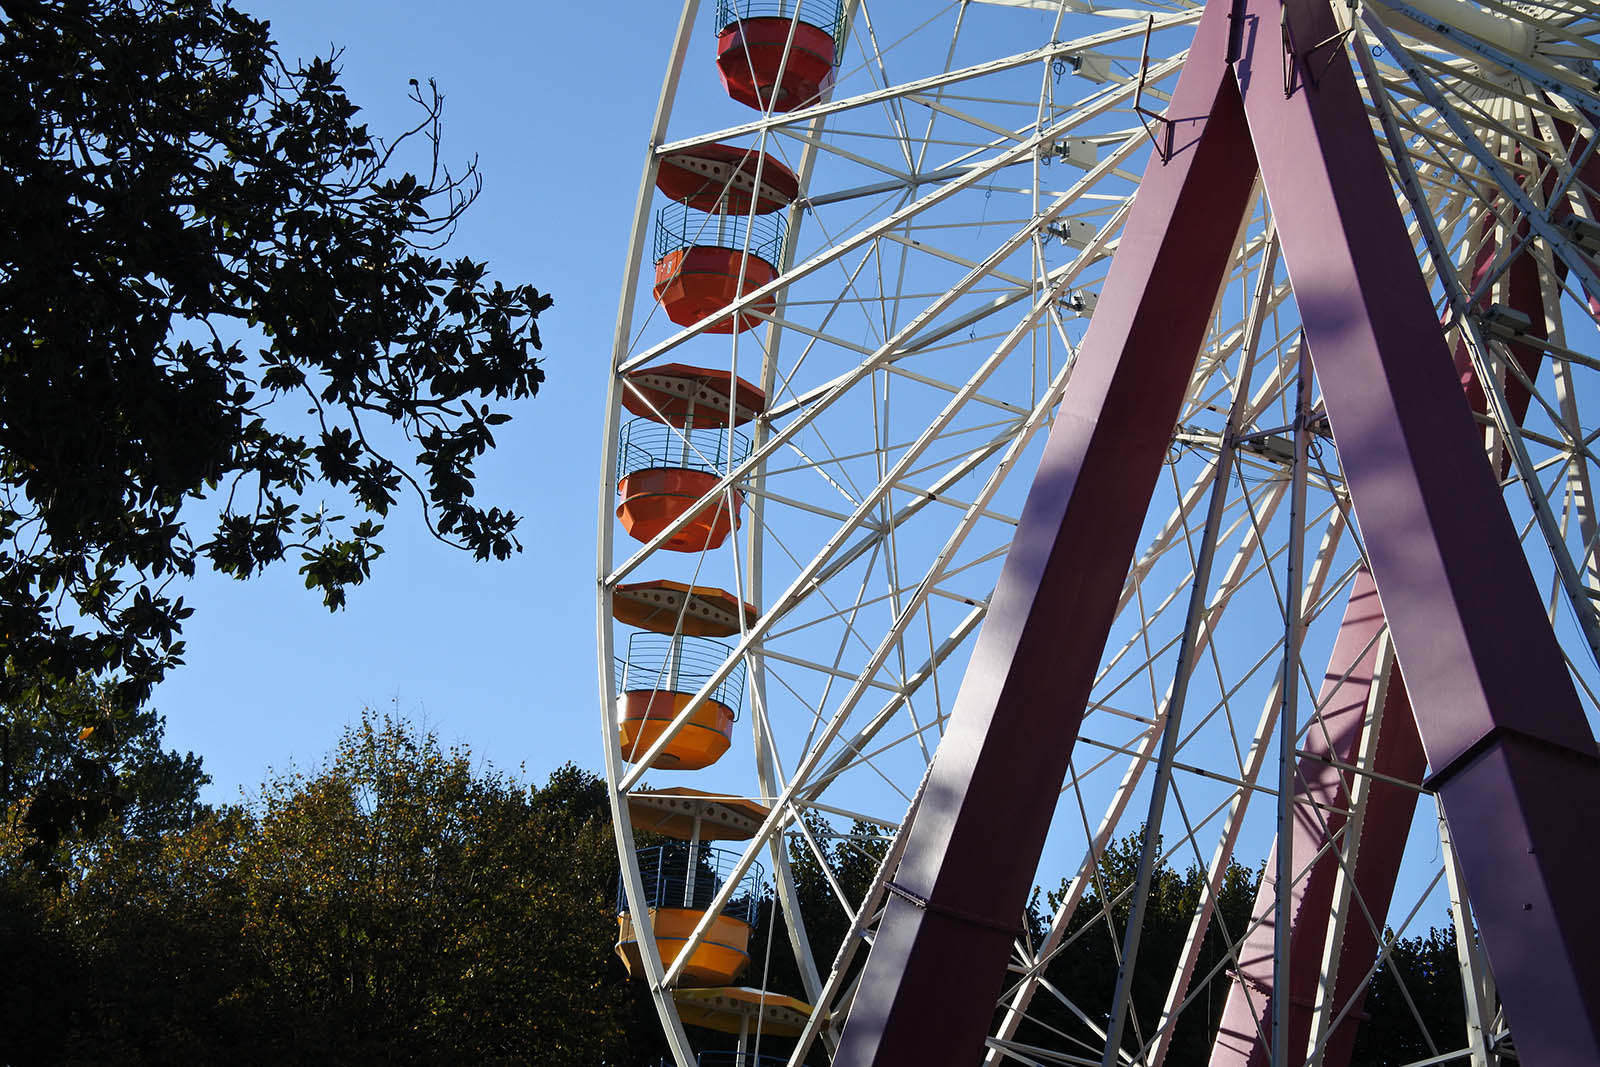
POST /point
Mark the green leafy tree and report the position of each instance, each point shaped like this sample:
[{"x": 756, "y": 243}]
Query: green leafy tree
[
  {"x": 406, "y": 904},
  {"x": 200, "y": 243},
  {"x": 398, "y": 903},
  {"x": 58, "y": 838},
  {"x": 150, "y": 929},
  {"x": 1414, "y": 1008},
  {"x": 79, "y": 769}
]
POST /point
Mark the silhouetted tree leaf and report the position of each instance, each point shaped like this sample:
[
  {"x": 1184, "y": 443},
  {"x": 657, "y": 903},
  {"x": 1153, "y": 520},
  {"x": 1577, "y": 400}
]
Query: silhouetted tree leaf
[{"x": 215, "y": 283}]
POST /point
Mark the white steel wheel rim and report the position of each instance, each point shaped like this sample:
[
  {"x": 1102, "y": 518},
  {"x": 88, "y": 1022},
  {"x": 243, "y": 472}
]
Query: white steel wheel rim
[{"x": 887, "y": 473}]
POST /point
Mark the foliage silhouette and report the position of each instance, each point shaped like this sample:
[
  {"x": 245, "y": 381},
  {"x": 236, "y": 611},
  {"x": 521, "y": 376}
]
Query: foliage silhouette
[
  {"x": 216, "y": 283},
  {"x": 1085, "y": 969},
  {"x": 78, "y": 769},
  {"x": 398, "y": 903}
]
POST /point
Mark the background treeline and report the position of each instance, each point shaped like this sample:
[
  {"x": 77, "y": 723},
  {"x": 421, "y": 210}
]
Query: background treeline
[
  {"x": 398, "y": 903},
  {"x": 1085, "y": 969},
  {"x": 402, "y": 903}
]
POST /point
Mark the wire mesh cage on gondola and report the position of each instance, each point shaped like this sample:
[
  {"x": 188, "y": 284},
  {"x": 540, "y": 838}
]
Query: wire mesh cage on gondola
[
  {"x": 777, "y": 54},
  {"x": 657, "y": 683},
  {"x": 679, "y": 226},
  {"x": 825, "y": 15},
  {"x": 707, "y": 260},
  {"x": 678, "y": 875},
  {"x": 665, "y": 475},
  {"x": 649, "y": 445},
  {"x": 680, "y": 882}
]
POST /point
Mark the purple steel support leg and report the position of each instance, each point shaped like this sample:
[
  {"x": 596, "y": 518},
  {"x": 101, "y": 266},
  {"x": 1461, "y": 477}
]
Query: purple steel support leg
[
  {"x": 1512, "y": 755},
  {"x": 1522, "y": 292},
  {"x": 1244, "y": 1035},
  {"x": 1589, "y": 173},
  {"x": 1399, "y": 753},
  {"x": 1390, "y": 808},
  {"x": 1322, "y": 796},
  {"x": 1515, "y": 762},
  {"x": 937, "y": 966}
]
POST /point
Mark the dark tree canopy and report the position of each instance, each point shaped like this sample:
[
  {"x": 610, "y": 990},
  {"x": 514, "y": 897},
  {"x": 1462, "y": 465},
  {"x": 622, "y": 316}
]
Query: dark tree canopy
[
  {"x": 216, "y": 283},
  {"x": 1417, "y": 973},
  {"x": 78, "y": 772},
  {"x": 400, "y": 903}
]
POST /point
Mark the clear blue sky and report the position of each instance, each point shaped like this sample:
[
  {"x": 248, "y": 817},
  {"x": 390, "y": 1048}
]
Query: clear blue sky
[{"x": 555, "y": 100}]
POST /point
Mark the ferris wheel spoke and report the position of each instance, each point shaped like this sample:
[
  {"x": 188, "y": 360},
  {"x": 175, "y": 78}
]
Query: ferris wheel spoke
[
  {"x": 802, "y": 116},
  {"x": 1491, "y": 166},
  {"x": 957, "y": 218},
  {"x": 1477, "y": 347},
  {"x": 892, "y": 708}
]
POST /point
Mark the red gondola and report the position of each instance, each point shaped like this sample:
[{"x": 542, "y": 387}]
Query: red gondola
[{"x": 761, "y": 67}]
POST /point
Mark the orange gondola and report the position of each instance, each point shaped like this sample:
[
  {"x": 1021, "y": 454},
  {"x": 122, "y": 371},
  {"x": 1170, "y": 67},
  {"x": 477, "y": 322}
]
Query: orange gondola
[
  {"x": 685, "y": 814},
  {"x": 774, "y": 61},
  {"x": 740, "y": 1009},
  {"x": 719, "y": 958},
  {"x": 666, "y": 607},
  {"x": 657, "y": 683},
  {"x": 693, "y": 283},
  {"x": 667, "y": 478},
  {"x": 679, "y": 883},
  {"x": 644, "y": 716},
  {"x": 654, "y": 499},
  {"x": 721, "y": 178},
  {"x": 722, "y": 236}
]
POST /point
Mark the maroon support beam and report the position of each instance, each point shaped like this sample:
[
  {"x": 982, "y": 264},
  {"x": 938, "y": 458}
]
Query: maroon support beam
[
  {"x": 1390, "y": 808},
  {"x": 1320, "y": 813},
  {"x": 1244, "y": 1036},
  {"x": 1521, "y": 292},
  {"x": 1589, "y": 175},
  {"x": 1515, "y": 761},
  {"x": 1399, "y": 753},
  {"x": 1512, "y": 755},
  {"x": 936, "y": 968}
]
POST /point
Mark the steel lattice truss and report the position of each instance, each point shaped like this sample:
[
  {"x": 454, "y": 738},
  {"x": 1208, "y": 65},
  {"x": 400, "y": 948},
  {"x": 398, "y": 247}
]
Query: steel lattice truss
[{"x": 1237, "y": 263}]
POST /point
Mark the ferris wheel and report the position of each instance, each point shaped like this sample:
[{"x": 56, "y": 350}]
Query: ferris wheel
[{"x": 871, "y": 244}]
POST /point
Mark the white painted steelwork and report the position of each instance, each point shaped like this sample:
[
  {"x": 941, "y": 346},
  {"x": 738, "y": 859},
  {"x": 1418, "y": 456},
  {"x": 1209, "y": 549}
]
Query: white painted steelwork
[{"x": 925, "y": 319}]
